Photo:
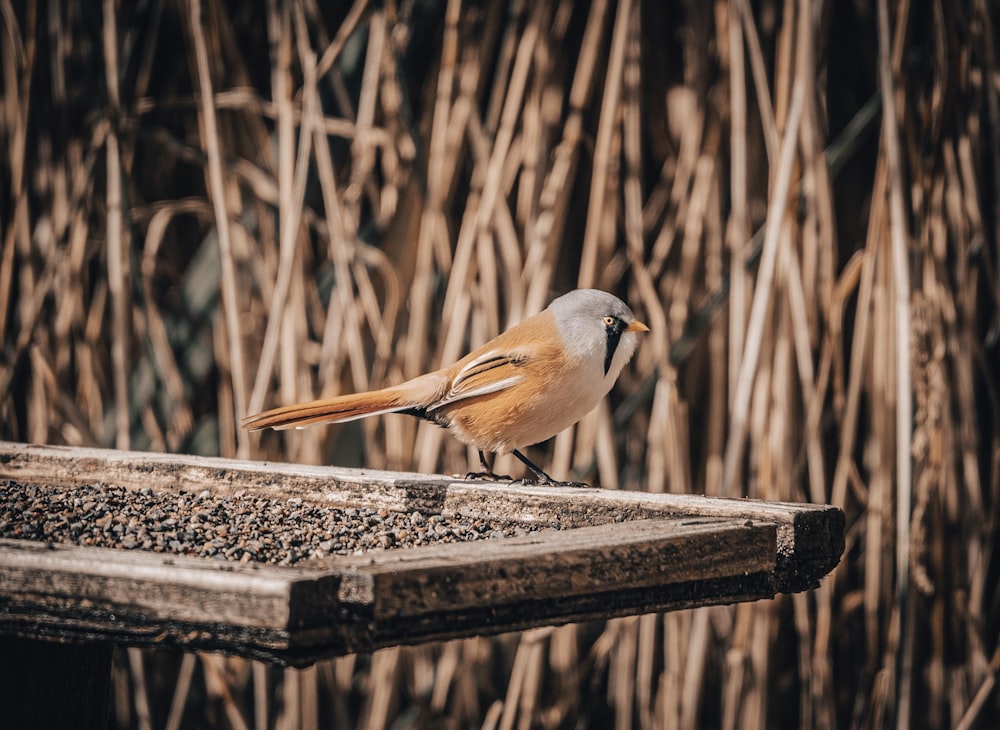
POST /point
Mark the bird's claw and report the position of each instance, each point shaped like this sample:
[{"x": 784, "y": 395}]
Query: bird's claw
[
  {"x": 488, "y": 476},
  {"x": 552, "y": 483}
]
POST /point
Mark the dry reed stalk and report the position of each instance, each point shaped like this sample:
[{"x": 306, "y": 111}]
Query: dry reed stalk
[
  {"x": 529, "y": 709},
  {"x": 444, "y": 674},
  {"x": 593, "y": 244},
  {"x": 180, "y": 694},
  {"x": 904, "y": 414},
  {"x": 847, "y": 283},
  {"x": 516, "y": 685},
  {"x": 976, "y": 707},
  {"x": 797, "y": 310},
  {"x": 280, "y": 37},
  {"x": 487, "y": 176},
  {"x": 772, "y": 458},
  {"x": 18, "y": 63},
  {"x": 859, "y": 346},
  {"x": 120, "y": 690},
  {"x": 668, "y": 696},
  {"x": 505, "y": 55},
  {"x": 762, "y": 86},
  {"x": 308, "y": 699},
  {"x": 19, "y": 56},
  {"x": 681, "y": 105},
  {"x": 290, "y": 715},
  {"x": 646, "y": 679},
  {"x": 182, "y": 418},
  {"x": 693, "y": 223},
  {"x": 809, "y": 290},
  {"x": 761, "y": 299},
  {"x": 709, "y": 473},
  {"x": 292, "y": 169},
  {"x": 211, "y": 142},
  {"x": 432, "y": 217},
  {"x": 362, "y": 157},
  {"x": 622, "y": 672},
  {"x": 564, "y": 671},
  {"x": 217, "y": 687},
  {"x": 879, "y": 505},
  {"x": 989, "y": 50},
  {"x": 226, "y": 399},
  {"x": 554, "y": 196},
  {"x": 383, "y": 681},
  {"x": 694, "y": 663},
  {"x": 336, "y": 678}
]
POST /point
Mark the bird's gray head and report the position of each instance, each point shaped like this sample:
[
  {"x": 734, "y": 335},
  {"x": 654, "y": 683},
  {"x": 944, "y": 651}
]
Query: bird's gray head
[{"x": 594, "y": 323}]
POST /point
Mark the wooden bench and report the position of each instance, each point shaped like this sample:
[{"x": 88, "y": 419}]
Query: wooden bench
[{"x": 602, "y": 554}]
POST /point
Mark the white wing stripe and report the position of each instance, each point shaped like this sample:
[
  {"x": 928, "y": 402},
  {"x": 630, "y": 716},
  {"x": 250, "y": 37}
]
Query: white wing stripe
[{"x": 482, "y": 390}]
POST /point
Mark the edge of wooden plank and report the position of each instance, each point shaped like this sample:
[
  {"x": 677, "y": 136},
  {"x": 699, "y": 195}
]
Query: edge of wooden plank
[
  {"x": 570, "y": 563},
  {"x": 162, "y": 587}
]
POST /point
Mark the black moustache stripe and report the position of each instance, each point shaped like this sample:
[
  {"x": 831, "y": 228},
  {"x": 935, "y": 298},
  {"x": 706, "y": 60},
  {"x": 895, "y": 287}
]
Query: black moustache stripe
[{"x": 614, "y": 336}]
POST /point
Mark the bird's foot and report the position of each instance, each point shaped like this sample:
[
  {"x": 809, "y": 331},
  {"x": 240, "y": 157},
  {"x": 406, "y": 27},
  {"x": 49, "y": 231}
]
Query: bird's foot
[
  {"x": 541, "y": 477},
  {"x": 488, "y": 476},
  {"x": 550, "y": 482},
  {"x": 487, "y": 473}
]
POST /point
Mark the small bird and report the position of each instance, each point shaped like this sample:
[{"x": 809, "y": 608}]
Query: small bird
[{"x": 521, "y": 388}]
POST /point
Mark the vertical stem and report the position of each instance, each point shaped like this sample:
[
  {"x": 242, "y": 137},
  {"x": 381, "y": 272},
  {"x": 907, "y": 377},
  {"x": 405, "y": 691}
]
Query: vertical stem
[
  {"x": 738, "y": 231},
  {"x": 602, "y": 149},
  {"x": 118, "y": 265},
  {"x": 432, "y": 217},
  {"x": 292, "y": 174},
  {"x": 904, "y": 415},
  {"x": 991, "y": 130},
  {"x": 210, "y": 134},
  {"x": 762, "y": 295}
]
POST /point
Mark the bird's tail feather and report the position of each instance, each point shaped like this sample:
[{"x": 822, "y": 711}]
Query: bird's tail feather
[
  {"x": 330, "y": 410},
  {"x": 412, "y": 395}
]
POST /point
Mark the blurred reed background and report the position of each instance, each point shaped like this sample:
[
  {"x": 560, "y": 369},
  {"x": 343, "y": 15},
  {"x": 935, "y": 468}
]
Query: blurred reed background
[{"x": 210, "y": 208}]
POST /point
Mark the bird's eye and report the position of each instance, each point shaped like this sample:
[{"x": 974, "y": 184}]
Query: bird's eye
[{"x": 609, "y": 321}]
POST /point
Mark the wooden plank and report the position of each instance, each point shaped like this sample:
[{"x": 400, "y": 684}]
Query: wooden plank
[
  {"x": 618, "y": 553},
  {"x": 161, "y": 587},
  {"x": 561, "y": 564},
  {"x": 579, "y": 574},
  {"x": 810, "y": 537}
]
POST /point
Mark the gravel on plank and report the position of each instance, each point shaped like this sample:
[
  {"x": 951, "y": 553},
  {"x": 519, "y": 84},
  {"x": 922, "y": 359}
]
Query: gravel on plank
[{"x": 242, "y": 527}]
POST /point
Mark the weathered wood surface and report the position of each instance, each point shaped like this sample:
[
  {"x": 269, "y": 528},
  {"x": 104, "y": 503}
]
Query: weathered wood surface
[{"x": 618, "y": 553}]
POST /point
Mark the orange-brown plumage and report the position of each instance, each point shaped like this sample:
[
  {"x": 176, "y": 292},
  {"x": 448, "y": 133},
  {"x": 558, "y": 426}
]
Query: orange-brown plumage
[{"x": 524, "y": 386}]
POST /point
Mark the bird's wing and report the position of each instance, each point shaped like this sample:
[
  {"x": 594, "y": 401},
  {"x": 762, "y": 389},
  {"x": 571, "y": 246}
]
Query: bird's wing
[{"x": 491, "y": 372}]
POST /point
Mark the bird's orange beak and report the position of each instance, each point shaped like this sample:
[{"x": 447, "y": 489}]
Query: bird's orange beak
[{"x": 637, "y": 326}]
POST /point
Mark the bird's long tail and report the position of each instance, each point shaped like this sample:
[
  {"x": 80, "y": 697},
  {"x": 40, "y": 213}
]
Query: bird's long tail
[{"x": 414, "y": 394}]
